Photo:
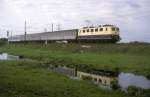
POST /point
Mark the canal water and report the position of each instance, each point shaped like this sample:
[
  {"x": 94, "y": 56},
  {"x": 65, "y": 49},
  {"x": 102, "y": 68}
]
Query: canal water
[
  {"x": 128, "y": 79},
  {"x": 124, "y": 79},
  {"x": 5, "y": 56}
]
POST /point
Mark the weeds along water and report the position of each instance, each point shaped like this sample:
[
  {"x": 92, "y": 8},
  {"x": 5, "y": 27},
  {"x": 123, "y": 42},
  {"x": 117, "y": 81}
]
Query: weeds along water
[{"x": 31, "y": 79}]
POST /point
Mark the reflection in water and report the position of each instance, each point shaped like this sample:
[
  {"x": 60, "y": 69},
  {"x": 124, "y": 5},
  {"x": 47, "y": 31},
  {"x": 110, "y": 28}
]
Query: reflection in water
[
  {"x": 5, "y": 56},
  {"x": 124, "y": 80},
  {"x": 129, "y": 79}
]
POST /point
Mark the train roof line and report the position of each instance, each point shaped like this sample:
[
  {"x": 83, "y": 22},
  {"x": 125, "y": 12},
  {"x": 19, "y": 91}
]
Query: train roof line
[
  {"x": 43, "y": 32},
  {"x": 106, "y": 25}
]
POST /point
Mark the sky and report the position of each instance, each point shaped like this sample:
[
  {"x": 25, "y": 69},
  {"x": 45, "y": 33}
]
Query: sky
[{"x": 131, "y": 16}]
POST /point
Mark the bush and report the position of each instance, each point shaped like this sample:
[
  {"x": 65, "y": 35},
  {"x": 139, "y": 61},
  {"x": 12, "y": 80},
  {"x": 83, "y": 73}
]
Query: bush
[
  {"x": 138, "y": 92},
  {"x": 114, "y": 85},
  {"x": 132, "y": 90}
]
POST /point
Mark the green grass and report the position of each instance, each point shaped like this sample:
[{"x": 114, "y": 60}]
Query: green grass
[
  {"x": 32, "y": 79},
  {"x": 125, "y": 57}
]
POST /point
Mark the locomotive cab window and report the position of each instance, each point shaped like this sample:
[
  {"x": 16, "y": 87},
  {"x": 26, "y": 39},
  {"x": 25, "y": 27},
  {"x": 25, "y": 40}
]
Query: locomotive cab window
[
  {"x": 117, "y": 29},
  {"x": 113, "y": 29}
]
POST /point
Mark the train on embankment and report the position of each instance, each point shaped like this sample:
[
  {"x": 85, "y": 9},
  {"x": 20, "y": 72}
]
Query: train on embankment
[{"x": 101, "y": 33}]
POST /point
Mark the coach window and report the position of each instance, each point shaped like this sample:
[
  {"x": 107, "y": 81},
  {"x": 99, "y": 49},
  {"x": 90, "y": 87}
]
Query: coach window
[
  {"x": 96, "y": 30},
  {"x": 101, "y": 29},
  {"x": 92, "y": 30}
]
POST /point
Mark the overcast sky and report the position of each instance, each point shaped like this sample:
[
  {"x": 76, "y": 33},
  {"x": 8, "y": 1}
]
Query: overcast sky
[{"x": 131, "y": 16}]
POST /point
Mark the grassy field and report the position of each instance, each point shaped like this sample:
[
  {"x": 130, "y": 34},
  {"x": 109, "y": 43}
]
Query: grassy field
[
  {"x": 32, "y": 79},
  {"x": 123, "y": 57}
]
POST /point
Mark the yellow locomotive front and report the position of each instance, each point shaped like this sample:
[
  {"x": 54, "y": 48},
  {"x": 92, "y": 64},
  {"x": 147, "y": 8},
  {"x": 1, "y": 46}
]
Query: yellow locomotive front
[{"x": 106, "y": 33}]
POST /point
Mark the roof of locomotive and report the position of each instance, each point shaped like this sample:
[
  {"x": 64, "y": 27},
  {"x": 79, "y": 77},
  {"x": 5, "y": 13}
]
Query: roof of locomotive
[{"x": 106, "y": 25}]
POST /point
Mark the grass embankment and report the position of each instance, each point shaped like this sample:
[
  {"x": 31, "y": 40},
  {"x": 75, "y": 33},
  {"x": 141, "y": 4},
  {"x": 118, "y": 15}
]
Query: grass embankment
[
  {"x": 125, "y": 57},
  {"x": 32, "y": 79}
]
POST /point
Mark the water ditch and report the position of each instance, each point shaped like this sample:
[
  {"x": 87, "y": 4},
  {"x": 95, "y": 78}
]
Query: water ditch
[{"x": 5, "y": 56}]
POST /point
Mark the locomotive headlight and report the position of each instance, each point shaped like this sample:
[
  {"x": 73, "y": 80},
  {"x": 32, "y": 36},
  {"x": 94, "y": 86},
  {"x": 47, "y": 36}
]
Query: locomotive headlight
[{"x": 116, "y": 33}]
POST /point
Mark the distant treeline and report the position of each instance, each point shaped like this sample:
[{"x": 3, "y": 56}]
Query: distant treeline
[{"x": 137, "y": 42}]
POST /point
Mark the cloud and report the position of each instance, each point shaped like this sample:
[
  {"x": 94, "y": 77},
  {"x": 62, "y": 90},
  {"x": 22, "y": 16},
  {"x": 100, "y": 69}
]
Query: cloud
[{"x": 133, "y": 4}]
